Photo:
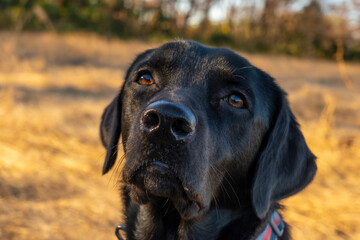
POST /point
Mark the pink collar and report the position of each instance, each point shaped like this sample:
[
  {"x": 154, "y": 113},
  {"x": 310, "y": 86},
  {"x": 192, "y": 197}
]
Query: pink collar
[{"x": 274, "y": 229}]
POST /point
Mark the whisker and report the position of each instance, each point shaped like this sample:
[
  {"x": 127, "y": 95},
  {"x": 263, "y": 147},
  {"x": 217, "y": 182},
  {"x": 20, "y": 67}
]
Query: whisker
[
  {"x": 225, "y": 177},
  {"x": 230, "y": 184},
  {"x": 245, "y": 67},
  {"x": 167, "y": 209},
  {"x": 242, "y": 77}
]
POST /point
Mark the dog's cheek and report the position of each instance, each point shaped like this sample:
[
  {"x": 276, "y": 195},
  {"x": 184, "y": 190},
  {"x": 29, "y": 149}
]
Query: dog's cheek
[
  {"x": 134, "y": 150},
  {"x": 129, "y": 111},
  {"x": 133, "y": 143},
  {"x": 238, "y": 149},
  {"x": 246, "y": 143}
]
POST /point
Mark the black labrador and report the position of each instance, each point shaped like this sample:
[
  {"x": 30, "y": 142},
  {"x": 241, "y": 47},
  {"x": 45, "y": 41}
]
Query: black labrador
[{"x": 210, "y": 144}]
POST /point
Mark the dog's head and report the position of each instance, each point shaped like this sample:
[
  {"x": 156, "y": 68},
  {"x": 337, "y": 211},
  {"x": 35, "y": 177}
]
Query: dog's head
[{"x": 202, "y": 126}]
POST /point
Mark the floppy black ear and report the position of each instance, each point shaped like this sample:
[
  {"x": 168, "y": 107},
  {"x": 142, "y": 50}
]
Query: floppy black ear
[
  {"x": 285, "y": 165},
  {"x": 110, "y": 129}
]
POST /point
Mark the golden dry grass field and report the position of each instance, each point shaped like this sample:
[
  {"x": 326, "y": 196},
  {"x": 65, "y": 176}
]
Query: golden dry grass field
[{"x": 53, "y": 89}]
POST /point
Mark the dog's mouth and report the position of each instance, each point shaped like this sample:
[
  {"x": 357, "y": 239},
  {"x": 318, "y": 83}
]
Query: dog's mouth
[{"x": 158, "y": 180}]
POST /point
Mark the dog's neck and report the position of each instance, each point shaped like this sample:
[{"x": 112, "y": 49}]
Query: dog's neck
[{"x": 161, "y": 221}]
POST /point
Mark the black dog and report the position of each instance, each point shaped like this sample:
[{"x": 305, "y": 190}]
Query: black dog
[{"x": 210, "y": 146}]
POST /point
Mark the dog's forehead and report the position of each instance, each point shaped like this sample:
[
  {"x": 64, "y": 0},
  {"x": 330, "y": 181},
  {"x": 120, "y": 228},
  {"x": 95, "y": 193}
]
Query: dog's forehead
[{"x": 196, "y": 58}]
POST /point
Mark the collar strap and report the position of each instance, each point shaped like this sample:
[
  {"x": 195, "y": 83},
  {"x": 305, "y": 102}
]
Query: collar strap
[
  {"x": 274, "y": 229},
  {"x": 117, "y": 232}
]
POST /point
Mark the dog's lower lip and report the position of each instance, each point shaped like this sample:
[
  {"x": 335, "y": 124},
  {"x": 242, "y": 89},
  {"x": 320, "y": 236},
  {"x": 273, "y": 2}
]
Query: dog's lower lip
[
  {"x": 160, "y": 170},
  {"x": 156, "y": 178},
  {"x": 157, "y": 164}
]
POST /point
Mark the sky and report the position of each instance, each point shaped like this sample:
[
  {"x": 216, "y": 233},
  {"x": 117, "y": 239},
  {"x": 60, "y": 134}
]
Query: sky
[{"x": 219, "y": 10}]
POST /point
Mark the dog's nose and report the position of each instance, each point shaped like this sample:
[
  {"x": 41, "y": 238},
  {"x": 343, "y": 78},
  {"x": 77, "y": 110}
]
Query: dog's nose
[{"x": 164, "y": 119}]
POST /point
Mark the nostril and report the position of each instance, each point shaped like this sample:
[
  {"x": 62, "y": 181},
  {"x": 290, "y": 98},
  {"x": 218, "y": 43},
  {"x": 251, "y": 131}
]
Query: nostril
[
  {"x": 151, "y": 119},
  {"x": 182, "y": 127}
]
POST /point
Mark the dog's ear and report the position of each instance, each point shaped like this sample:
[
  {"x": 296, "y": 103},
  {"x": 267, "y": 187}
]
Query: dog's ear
[
  {"x": 285, "y": 164},
  {"x": 110, "y": 129}
]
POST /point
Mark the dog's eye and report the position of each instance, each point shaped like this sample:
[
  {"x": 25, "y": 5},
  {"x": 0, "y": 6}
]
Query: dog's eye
[
  {"x": 146, "y": 79},
  {"x": 235, "y": 101}
]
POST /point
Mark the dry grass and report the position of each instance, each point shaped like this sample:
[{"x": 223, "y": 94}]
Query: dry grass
[{"x": 52, "y": 92}]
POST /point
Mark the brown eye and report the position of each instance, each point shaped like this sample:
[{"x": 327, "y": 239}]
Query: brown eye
[
  {"x": 146, "y": 79},
  {"x": 235, "y": 101}
]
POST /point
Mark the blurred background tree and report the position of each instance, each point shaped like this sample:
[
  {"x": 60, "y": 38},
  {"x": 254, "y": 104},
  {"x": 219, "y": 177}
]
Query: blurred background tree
[{"x": 309, "y": 28}]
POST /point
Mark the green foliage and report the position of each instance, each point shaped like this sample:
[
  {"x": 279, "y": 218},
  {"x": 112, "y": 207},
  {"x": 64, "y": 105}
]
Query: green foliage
[
  {"x": 219, "y": 38},
  {"x": 305, "y": 33}
]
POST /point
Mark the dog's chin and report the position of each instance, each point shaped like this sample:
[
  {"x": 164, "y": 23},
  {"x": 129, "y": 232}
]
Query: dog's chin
[{"x": 157, "y": 181}]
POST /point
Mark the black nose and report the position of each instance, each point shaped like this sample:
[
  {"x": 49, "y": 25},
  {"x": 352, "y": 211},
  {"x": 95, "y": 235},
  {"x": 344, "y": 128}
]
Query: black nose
[{"x": 167, "y": 119}]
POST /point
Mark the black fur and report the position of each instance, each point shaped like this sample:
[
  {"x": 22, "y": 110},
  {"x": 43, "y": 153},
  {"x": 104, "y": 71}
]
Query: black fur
[{"x": 218, "y": 176}]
